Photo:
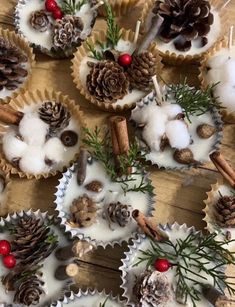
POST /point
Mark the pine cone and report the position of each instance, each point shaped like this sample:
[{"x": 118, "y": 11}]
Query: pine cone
[
  {"x": 107, "y": 81},
  {"x": 39, "y": 20},
  {"x": 186, "y": 19},
  {"x": 225, "y": 211},
  {"x": 141, "y": 71},
  {"x": 67, "y": 31},
  {"x": 119, "y": 213},
  {"x": 29, "y": 291},
  {"x": 152, "y": 289},
  {"x": 83, "y": 211},
  {"x": 32, "y": 241},
  {"x": 12, "y": 73},
  {"x": 54, "y": 114}
]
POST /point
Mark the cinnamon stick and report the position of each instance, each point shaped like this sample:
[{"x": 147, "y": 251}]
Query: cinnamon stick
[
  {"x": 10, "y": 116},
  {"x": 81, "y": 166},
  {"x": 149, "y": 37},
  {"x": 215, "y": 297},
  {"x": 148, "y": 228},
  {"x": 66, "y": 271},
  {"x": 223, "y": 167}
]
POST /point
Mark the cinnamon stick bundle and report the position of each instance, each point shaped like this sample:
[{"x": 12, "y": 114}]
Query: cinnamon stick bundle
[
  {"x": 223, "y": 167},
  {"x": 10, "y": 116},
  {"x": 148, "y": 228},
  {"x": 120, "y": 139}
]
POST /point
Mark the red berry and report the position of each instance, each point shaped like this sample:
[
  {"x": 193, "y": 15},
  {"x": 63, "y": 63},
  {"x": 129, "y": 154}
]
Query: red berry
[
  {"x": 51, "y": 5},
  {"x": 162, "y": 265},
  {"x": 57, "y": 14},
  {"x": 5, "y": 247},
  {"x": 9, "y": 261},
  {"x": 125, "y": 60}
]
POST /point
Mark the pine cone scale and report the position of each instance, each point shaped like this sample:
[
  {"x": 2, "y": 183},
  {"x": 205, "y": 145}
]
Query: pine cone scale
[{"x": 225, "y": 211}]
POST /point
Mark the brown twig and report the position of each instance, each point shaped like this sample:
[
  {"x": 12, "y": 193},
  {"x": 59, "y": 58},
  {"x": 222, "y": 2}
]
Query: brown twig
[
  {"x": 81, "y": 166},
  {"x": 215, "y": 297}
]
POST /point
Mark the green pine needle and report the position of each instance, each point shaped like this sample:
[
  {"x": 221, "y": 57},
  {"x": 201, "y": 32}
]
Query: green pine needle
[
  {"x": 98, "y": 55},
  {"x": 113, "y": 32},
  {"x": 104, "y": 303},
  {"x": 71, "y": 7}
]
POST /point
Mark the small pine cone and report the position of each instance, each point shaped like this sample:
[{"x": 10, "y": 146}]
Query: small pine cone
[
  {"x": 54, "y": 114},
  {"x": 187, "y": 20},
  {"x": 225, "y": 211},
  {"x": 40, "y": 21},
  {"x": 29, "y": 291},
  {"x": 107, "y": 81},
  {"x": 141, "y": 71},
  {"x": 119, "y": 213},
  {"x": 83, "y": 211},
  {"x": 152, "y": 289},
  {"x": 30, "y": 244},
  {"x": 67, "y": 32},
  {"x": 12, "y": 72}
]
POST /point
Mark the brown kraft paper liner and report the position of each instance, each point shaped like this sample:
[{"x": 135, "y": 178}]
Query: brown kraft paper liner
[
  {"x": 119, "y": 7},
  {"x": 171, "y": 57},
  {"x": 33, "y": 98},
  {"x": 82, "y": 51},
  {"x": 227, "y": 116},
  {"x": 21, "y": 43}
]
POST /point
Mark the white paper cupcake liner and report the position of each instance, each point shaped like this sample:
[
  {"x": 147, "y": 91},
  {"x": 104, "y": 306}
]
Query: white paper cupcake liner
[
  {"x": 60, "y": 196},
  {"x": 218, "y": 123},
  {"x": 5, "y": 193},
  {"x": 73, "y": 298},
  {"x": 65, "y": 285},
  {"x": 127, "y": 283}
]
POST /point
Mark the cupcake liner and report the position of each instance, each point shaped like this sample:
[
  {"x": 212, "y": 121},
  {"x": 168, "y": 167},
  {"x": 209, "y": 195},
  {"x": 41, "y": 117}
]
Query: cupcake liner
[
  {"x": 119, "y": 7},
  {"x": 172, "y": 58},
  {"x": 19, "y": 42},
  {"x": 58, "y": 54},
  {"x": 227, "y": 116},
  {"x": 72, "y": 297},
  {"x": 82, "y": 51},
  {"x": 52, "y": 220},
  {"x": 136, "y": 246},
  {"x": 150, "y": 99},
  {"x": 6, "y": 192},
  {"x": 60, "y": 197},
  {"x": 34, "y": 98}
]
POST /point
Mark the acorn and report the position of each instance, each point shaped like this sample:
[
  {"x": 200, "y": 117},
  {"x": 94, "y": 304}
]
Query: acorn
[
  {"x": 69, "y": 138},
  {"x": 94, "y": 186},
  {"x": 205, "y": 131},
  {"x": 184, "y": 156}
]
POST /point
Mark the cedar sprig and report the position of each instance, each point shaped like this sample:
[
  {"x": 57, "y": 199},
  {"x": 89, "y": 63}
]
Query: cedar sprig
[
  {"x": 71, "y": 7},
  {"x": 95, "y": 54},
  {"x": 192, "y": 100},
  {"x": 195, "y": 252},
  {"x": 113, "y": 32},
  {"x": 104, "y": 303}
]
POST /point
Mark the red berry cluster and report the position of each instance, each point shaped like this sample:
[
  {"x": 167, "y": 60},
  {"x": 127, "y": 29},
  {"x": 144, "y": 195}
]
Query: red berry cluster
[
  {"x": 9, "y": 260},
  {"x": 52, "y": 7}
]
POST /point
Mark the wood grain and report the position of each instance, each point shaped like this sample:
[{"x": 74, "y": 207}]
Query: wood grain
[{"x": 179, "y": 195}]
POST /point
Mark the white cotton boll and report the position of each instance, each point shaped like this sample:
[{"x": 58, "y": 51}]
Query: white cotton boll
[
  {"x": 172, "y": 110},
  {"x": 33, "y": 161},
  {"x": 152, "y": 139},
  {"x": 218, "y": 60},
  {"x": 12, "y": 146},
  {"x": 178, "y": 134},
  {"x": 228, "y": 74},
  {"x": 54, "y": 150},
  {"x": 142, "y": 115},
  {"x": 226, "y": 94},
  {"x": 214, "y": 76},
  {"x": 33, "y": 129}
]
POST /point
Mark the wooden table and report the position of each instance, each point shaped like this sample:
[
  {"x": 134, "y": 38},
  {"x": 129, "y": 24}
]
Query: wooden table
[{"x": 180, "y": 195}]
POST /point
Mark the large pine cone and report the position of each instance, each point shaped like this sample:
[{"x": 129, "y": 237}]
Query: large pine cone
[
  {"x": 141, "y": 71},
  {"x": 12, "y": 73},
  {"x": 188, "y": 19},
  {"x": 107, "y": 81},
  {"x": 33, "y": 241},
  {"x": 29, "y": 291},
  {"x": 67, "y": 32},
  {"x": 83, "y": 211},
  {"x": 54, "y": 114},
  {"x": 225, "y": 211},
  {"x": 119, "y": 213},
  {"x": 152, "y": 289}
]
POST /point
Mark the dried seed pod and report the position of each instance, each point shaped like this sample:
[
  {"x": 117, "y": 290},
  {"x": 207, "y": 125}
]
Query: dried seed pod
[
  {"x": 69, "y": 138},
  {"x": 205, "y": 131},
  {"x": 94, "y": 186},
  {"x": 184, "y": 156}
]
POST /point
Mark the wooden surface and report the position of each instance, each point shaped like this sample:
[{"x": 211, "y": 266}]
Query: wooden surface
[{"x": 180, "y": 195}]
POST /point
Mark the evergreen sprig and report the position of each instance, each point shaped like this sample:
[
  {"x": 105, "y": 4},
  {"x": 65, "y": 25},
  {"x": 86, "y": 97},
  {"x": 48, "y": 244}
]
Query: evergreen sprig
[
  {"x": 104, "y": 303},
  {"x": 101, "y": 149},
  {"x": 71, "y": 7},
  {"x": 192, "y": 257},
  {"x": 95, "y": 54},
  {"x": 113, "y": 32},
  {"x": 192, "y": 100}
]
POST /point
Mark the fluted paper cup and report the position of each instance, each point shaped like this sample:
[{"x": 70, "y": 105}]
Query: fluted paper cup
[
  {"x": 32, "y": 100},
  {"x": 23, "y": 46},
  {"x": 119, "y": 7}
]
